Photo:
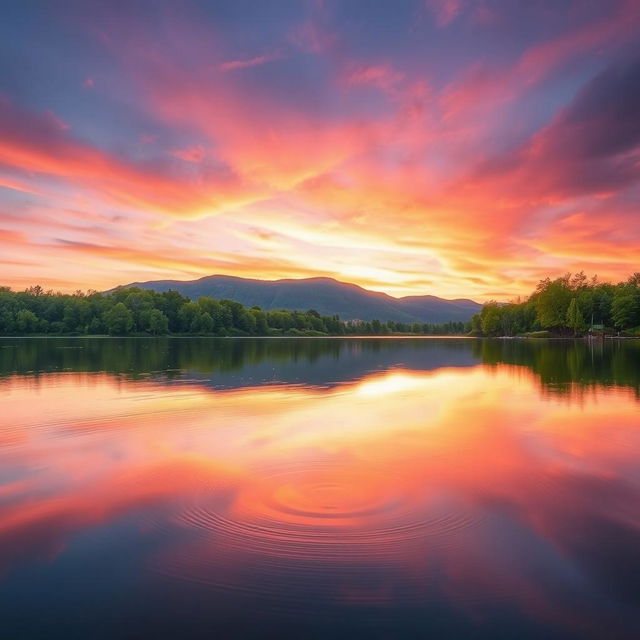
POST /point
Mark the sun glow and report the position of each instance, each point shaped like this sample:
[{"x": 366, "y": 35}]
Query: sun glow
[{"x": 452, "y": 165}]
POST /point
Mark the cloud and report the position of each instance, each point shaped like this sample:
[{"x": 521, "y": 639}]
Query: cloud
[
  {"x": 591, "y": 147},
  {"x": 38, "y": 143},
  {"x": 599, "y": 132},
  {"x": 232, "y": 65},
  {"x": 382, "y": 76},
  {"x": 445, "y": 11},
  {"x": 10, "y": 237},
  {"x": 190, "y": 154},
  {"x": 490, "y": 85},
  {"x": 466, "y": 161}
]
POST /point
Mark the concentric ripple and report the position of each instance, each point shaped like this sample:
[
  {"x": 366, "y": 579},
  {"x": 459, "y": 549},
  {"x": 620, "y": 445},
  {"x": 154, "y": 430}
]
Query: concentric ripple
[
  {"x": 326, "y": 514},
  {"x": 320, "y": 523}
]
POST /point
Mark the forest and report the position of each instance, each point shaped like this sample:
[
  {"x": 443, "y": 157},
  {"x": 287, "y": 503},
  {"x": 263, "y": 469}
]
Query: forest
[
  {"x": 571, "y": 305},
  {"x": 138, "y": 312}
]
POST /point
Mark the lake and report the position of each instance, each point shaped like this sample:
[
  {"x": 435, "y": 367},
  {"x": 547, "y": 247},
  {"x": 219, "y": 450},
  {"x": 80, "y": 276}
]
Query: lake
[{"x": 316, "y": 488}]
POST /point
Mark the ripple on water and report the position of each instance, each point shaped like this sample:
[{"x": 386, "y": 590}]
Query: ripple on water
[{"x": 313, "y": 523}]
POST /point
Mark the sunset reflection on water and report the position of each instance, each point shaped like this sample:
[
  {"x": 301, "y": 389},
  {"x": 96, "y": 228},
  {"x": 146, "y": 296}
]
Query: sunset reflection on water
[{"x": 464, "y": 494}]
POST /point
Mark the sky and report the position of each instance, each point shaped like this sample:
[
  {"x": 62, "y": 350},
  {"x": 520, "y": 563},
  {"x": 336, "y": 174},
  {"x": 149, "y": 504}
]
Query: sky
[{"x": 460, "y": 148}]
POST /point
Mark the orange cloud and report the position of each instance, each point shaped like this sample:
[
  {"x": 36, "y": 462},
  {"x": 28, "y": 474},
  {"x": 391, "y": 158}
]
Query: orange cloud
[
  {"x": 37, "y": 143},
  {"x": 440, "y": 180}
]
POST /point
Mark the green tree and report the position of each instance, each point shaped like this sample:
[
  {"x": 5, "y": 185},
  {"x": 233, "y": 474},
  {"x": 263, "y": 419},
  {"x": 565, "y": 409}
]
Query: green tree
[
  {"x": 625, "y": 309},
  {"x": 490, "y": 319},
  {"x": 187, "y": 316},
  {"x": 96, "y": 326},
  {"x": 155, "y": 322},
  {"x": 170, "y": 303},
  {"x": 262, "y": 328},
  {"x": 601, "y": 303},
  {"x": 76, "y": 315},
  {"x": 118, "y": 320},
  {"x": 26, "y": 321},
  {"x": 575, "y": 320},
  {"x": 139, "y": 301},
  {"x": 7, "y": 323},
  {"x": 552, "y": 302},
  {"x": 246, "y": 322},
  {"x": 214, "y": 309},
  {"x": 202, "y": 323}
]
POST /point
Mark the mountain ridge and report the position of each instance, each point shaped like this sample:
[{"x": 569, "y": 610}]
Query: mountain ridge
[{"x": 326, "y": 295}]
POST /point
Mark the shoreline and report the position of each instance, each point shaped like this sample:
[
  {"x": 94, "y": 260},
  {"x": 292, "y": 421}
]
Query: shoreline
[
  {"x": 332, "y": 337},
  {"x": 327, "y": 337}
]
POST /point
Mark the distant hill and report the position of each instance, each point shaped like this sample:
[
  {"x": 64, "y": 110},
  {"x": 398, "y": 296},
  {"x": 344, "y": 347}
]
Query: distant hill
[{"x": 325, "y": 295}]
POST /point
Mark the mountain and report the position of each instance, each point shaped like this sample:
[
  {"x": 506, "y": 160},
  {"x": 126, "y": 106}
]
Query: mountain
[{"x": 325, "y": 295}]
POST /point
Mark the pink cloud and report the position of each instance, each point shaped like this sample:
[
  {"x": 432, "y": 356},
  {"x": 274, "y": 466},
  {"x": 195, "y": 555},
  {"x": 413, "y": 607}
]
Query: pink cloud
[
  {"x": 9, "y": 236},
  {"x": 191, "y": 154},
  {"x": 485, "y": 86},
  {"x": 409, "y": 185},
  {"x": 37, "y": 143},
  {"x": 246, "y": 63},
  {"x": 382, "y": 76},
  {"x": 445, "y": 11},
  {"x": 315, "y": 34}
]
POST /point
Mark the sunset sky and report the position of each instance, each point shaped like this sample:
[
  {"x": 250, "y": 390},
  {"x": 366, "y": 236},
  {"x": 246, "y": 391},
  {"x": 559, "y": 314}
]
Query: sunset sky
[{"x": 450, "y": 147}]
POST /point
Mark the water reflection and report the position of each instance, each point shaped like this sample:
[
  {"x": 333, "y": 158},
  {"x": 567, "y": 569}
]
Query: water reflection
[
  {"x": 561, "y": 365},
  {"x": 431, "y": 493}
]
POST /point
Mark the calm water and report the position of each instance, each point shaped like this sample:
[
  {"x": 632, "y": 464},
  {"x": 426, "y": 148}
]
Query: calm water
[{"x": 397, "y": 488}]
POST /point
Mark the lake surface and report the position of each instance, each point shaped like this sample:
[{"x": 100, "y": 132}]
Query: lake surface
[{"x": 319, "y": 488}]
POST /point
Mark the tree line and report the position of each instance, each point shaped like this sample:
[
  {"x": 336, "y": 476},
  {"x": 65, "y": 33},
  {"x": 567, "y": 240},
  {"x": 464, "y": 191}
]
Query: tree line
[
  {"x": 135, "y": 311},
  {"x": 567, "y": 306}
]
